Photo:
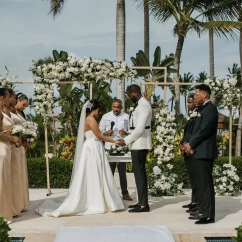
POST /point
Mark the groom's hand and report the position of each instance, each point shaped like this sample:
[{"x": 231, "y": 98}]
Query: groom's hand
[{"x": 121, "y": 142}]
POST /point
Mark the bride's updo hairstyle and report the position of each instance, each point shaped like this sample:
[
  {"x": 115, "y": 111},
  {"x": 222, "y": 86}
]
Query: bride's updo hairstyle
[
  {"x": 94, "y": 104},
  {"x": 2, "y": 91}
]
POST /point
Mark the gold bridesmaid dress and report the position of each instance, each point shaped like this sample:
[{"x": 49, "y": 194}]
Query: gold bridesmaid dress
[
  {"x": 16, "y": 174},
  {"x": 24, "y": 173},
  {"x": 5, "y": 172}
]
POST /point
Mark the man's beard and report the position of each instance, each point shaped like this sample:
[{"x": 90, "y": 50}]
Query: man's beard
[
  {"x": 116, "y": 113},
  {"x": 134, "y": 99}
]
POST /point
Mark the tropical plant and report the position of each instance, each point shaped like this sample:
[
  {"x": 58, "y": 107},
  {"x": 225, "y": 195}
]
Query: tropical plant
[
  {"x": 189, "y": 17},
  {"x": 238, "y": 238},
  {"x": 154, "y": 75},
  {"x": 4, "y": 229}
]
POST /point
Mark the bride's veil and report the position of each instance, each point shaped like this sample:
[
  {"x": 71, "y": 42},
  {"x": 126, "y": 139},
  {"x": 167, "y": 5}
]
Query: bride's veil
[{"x": 80, "y": 139}]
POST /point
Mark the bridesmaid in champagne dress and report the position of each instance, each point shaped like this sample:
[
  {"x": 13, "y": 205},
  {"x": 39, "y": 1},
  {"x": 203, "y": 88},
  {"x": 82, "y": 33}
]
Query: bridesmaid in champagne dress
[
  {"x": 16, "y": 165},
  {"x": 6, "y": 141},
  {"x": 22, "y": 103}
]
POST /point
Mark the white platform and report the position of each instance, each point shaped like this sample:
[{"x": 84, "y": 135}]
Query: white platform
[{"x": 117, "y": 234}]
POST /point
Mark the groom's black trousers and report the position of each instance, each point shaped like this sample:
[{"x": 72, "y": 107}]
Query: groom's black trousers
[
  {"x": 122, "y": 175},
  {"x": 139, "y": 161}
]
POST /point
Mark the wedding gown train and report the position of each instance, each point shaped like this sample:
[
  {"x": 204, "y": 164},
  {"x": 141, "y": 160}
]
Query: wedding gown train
[{"x": 93, "y": 189}]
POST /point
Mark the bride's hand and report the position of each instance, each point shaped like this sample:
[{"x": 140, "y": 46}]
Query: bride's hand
[{"x": 120, "y": 142}]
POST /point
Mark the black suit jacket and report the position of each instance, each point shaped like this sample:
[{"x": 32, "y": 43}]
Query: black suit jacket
[
  {"x": 188, "y": 130},
  {"x": 204, "y": 134}
]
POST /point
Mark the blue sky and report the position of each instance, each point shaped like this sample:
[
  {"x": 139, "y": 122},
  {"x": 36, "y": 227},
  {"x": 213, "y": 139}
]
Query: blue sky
[{"x": 87, "y": 28}]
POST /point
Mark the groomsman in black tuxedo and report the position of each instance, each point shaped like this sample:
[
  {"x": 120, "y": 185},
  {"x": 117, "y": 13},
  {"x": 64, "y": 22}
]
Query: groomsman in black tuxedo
[
  {"x": 202, "y": 146},
  {"x": 190, "y": 164}
]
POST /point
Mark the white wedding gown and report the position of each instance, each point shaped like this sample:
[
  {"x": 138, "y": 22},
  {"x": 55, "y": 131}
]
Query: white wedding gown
[{"x": 93, "y": 189}]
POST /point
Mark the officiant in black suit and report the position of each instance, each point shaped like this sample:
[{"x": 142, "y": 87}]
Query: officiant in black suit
[
  {"x": 202, "y": 146},
  {"x": 189, "y": 162}
]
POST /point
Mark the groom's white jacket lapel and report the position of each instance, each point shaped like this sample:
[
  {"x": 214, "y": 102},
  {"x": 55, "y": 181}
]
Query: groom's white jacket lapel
[{"x": 140, "y": 120}]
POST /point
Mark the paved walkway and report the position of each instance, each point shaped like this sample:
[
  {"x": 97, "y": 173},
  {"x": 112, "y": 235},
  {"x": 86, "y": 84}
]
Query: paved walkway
[{"x": 165, "y": 211}]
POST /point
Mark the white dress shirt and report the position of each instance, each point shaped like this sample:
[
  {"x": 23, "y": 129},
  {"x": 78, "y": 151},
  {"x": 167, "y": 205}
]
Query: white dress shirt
[{"x": 121, "y": 122}]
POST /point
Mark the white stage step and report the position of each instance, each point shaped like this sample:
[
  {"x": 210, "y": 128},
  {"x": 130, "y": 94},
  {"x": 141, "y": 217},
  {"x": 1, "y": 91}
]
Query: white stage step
[{"x": 114, "y": 234}]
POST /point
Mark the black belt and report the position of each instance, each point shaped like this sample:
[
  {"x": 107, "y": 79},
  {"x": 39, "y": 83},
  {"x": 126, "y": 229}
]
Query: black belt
[{"x": 132, "y": 128}]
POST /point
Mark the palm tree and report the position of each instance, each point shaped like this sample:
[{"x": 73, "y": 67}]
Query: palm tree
[
  {"x": 120, "y": 45},
  {"x": 238, "y": 135},
  {"x": 189, "y": 18},
  {"x": 56, "y": 7},
  {"x": 144, "y": 6},
  {"x": 146, "y": 28}
]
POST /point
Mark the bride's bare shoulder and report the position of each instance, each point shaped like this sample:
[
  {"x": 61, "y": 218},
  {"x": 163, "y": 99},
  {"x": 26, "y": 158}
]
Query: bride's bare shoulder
[{"x": 90, "y": 119}]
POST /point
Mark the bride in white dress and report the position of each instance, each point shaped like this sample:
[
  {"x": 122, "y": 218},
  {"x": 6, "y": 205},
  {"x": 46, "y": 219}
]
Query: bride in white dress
[{"x": 92, "y": 188}]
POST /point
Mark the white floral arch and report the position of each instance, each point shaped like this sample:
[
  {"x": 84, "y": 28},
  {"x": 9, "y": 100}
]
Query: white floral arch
[{"x": 72, "y": 70}]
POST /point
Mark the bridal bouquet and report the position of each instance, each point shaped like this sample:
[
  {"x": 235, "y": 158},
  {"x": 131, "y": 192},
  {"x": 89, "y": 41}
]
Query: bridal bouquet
[{"x": 118, "y": 150}]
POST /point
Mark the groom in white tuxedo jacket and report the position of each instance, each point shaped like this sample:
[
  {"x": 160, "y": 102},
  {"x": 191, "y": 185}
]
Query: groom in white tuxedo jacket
[{"x": 141, "y": 142}]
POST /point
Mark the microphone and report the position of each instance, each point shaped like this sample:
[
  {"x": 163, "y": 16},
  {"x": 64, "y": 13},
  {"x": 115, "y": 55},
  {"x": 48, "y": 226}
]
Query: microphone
[{"x": 112, "y": 124}]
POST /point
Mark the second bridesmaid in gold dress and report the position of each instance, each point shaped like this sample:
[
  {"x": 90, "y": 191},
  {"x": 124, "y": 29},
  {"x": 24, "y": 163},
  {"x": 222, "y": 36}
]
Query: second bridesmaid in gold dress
[{"x": 22, "y": 103}]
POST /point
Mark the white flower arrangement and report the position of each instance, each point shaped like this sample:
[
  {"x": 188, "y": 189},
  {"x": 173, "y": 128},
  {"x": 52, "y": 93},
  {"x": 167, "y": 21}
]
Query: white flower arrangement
[
  {"x": 226, "y": 90},
  {"x": 17, "y": 130},
  {"x": 165, "y": 134},
  {"x": 226, "y": 181},
  {"x": 162, "y": 182},
  {"x": 118, "y": 150},
  {"x": 6, "y": 82},
  {"x": 28, "y": 130},
  {"x": 193, "y": 115},
  {"x": 74, "y": 70}
]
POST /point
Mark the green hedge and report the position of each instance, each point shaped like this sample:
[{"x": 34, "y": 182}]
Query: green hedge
[{"x": 60, "y": 171}]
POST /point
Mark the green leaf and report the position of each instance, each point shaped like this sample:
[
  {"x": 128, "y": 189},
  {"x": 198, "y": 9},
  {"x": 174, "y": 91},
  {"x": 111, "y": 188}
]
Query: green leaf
[
  {"x": 56, "y": 55},
  {"x": 63, "y": 55},
  {"x": 157, "y": 56}
]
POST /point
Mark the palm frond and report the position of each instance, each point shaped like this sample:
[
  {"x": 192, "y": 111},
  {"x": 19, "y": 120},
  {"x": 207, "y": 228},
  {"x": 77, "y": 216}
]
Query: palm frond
[
  {"x": 222, "y": 29},
  {"x": 56, "y": 7}
]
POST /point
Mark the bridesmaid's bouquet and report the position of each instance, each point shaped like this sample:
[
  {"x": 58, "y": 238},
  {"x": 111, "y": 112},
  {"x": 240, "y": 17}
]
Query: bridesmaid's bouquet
[
  {"x": 30, "y": 130},
  {"x": 27, "y": 130},
  {"x": 17, "y": 130}
]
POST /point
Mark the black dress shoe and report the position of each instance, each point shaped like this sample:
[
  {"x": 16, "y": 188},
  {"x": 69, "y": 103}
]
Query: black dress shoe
[
  {"x": 205, "y": 221},
  {"x": 196, "y": 217},
  {"x": 189, "y": 206},
  {"x": 134, "y": 206},
  {"x": 194, "y": 213},
  {"x": 192, "y": 210},
  {"x": 140, "y": 210}
]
